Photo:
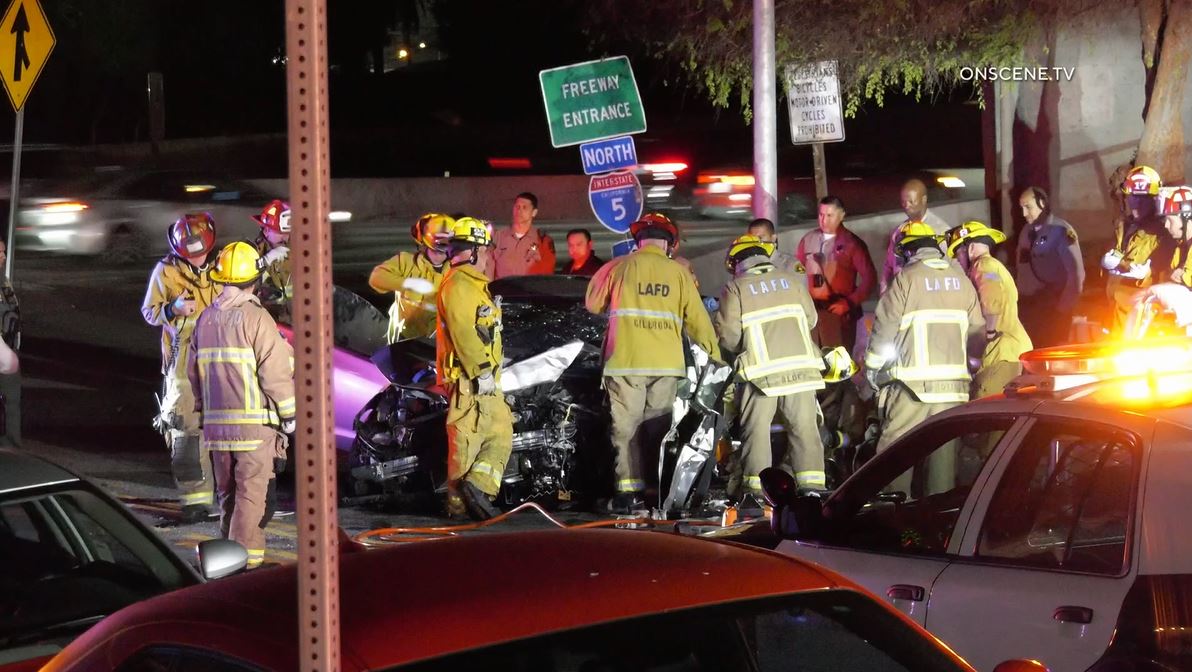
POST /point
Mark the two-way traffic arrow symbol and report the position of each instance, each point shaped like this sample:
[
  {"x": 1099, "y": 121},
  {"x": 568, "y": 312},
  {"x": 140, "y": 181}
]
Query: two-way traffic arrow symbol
[{"x": 20, "y": 57}]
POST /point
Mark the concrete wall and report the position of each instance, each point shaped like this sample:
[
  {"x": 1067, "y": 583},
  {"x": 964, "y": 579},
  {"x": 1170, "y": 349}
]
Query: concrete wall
[
  {"x": 875, "y": 230},
  {"x": 1069, "y": 137},
  {"x": 485, "y": 197}
]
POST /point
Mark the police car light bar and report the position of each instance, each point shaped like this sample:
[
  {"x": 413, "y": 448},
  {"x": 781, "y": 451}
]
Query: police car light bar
[{"x": 1074, "y": 365}]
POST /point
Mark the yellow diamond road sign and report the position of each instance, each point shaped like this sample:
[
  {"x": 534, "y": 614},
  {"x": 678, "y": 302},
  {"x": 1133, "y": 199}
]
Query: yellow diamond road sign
[{"x": 25, "y": 44}]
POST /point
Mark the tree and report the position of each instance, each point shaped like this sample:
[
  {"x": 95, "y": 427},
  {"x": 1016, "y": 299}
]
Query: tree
[{"x": 918, "y": 47}]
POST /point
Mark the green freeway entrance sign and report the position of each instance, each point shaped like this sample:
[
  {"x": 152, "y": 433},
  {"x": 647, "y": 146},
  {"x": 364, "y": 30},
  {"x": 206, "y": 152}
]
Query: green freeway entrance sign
[{"x": 591, "y": 101}]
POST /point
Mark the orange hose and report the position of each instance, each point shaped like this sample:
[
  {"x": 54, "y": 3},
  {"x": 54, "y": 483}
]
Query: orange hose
[{"x": 394, "y": 534}]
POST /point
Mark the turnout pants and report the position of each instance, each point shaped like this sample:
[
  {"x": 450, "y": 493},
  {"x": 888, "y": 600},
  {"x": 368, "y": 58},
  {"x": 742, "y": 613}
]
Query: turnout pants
[
  {"x": 246, "y": 493},
  {"x": 901, "y": 411},
  {"x": 1121, "y": 293},
  {"x": 804, "y": 458},
  {"x": 640, "y": 408},
  {"x": 190, "y": 461},
  {"x": 479, "y": 439},
  {"x": 993, "y": 379}
]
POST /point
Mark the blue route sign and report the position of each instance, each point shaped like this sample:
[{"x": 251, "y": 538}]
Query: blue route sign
[
  {"x": 623, "y": 247},
  {"x": 605, "y": 155},
  {"x": 616, "y": 199}
]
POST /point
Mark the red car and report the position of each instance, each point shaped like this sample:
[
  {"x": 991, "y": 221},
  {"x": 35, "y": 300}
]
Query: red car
[{"x": 547, "y": 600}]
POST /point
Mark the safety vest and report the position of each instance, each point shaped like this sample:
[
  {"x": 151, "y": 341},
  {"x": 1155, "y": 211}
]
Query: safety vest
[
  {"x": 767, "y": 315},
  {"x": 922, "y": 328},
  {"x": 468, "y": 337},
  {"x": 171, "y": 278},
  {"x": 242, "y": 371},
  {"x": 412, "y": 314},
  {"x": 650, "y": 300}
]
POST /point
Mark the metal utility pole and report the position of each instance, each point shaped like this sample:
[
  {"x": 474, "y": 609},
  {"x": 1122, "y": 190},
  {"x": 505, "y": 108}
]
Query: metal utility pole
[
  {"x": 765, "y": 113},
  {"x": 310, "y": 241}
]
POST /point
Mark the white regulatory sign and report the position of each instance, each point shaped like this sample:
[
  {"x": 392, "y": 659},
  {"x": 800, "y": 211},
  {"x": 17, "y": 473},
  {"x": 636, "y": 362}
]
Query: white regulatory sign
[{"x": 813, "y": 99}]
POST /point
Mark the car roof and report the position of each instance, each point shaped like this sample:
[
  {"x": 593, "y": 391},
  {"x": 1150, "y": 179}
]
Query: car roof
[
  {"x": 420, "y": 600},
  {"x": 21, "y": 471}
]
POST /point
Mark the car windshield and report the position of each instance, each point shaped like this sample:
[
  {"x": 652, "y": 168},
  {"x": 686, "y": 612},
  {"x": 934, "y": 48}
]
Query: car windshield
[
  {"x": 69, "y": 557},
  {"x": 828, "y": 631}
]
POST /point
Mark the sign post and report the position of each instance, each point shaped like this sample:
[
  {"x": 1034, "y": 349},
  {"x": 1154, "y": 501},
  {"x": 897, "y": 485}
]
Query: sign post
[
  {"x": 591, "y": 101},
  {"x": 816, "y": 114},
  {"x": 616, "y": 199},
  {"x": 26, "y": 41}
]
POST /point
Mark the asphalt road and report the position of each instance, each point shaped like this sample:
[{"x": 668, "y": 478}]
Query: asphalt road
[{"x": 90, "y": 368}]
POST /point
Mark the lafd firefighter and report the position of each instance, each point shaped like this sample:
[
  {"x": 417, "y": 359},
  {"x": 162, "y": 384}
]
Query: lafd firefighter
[
  {"x": 468, "y": 355},
  {"x": 245, "y": 370},
  {"x": 765, "y": 320},
  {"x": 276, "y": 288},
  {"x": 179, "y": 290},
  {"x": 1006, "y": 338},
  {"x": 1177, "y": 215},
  {"x": 415, "y": 278},
  {"x": 925, "y": 327},
  {"x": 650, "y": 300},
  {"x": 1141, "y": 249}
]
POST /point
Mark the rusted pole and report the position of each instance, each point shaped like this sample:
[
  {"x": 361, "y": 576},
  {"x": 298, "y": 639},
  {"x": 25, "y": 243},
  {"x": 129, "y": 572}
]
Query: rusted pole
[{"x": 310, "y": 240}]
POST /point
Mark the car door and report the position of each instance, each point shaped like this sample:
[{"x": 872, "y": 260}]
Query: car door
[
  {"x": 892, "y": 526},
  {"x": 1046, "y": 563}
]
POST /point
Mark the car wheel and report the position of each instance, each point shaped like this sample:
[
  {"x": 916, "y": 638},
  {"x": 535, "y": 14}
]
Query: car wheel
[{"x": 124, "y": 246}]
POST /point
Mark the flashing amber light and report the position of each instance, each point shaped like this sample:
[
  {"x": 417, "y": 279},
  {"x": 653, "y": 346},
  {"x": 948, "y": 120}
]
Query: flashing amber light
[
  {"x": 506, "y": 163},
  {"x": 199, "y": 188},
  {"x": 1111, "y": 358},
  {"x": 733, "y": 180},
  {"x": 72, "y": 206}
]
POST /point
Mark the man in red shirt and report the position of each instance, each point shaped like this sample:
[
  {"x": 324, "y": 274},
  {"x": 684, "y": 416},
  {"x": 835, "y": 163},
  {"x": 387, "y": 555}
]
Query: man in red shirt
[
  {"x": 583, "y": 260},
  {"x": 840, "y": 275}
]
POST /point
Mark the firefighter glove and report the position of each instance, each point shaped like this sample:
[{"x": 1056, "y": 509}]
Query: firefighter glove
[
  {"x": 1111, "y": 260},
  {"x": 486, "y": 383},
  {"x": 276, "y": 254},
  {"x": 182, "y": 306},
  {"x": 1138, "y": 271},
  {"x": 289, "y": 425}
]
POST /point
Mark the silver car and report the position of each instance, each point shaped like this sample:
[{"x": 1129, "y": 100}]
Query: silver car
[
  {"x": 69, "y": 555},
  {"x": 123, "y": 215}
]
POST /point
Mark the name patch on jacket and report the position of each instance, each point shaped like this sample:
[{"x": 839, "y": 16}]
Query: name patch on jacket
[
  {"x": 767, "y": 286},
  {"x": 653, "y": 289},
  {"x": 942, "y": 284}
]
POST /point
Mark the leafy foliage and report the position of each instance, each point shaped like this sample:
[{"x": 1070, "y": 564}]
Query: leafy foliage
[{"x": 917, "y": 47}]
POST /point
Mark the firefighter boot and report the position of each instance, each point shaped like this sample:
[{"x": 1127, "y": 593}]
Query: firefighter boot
[{"x": 477, "y": 502}]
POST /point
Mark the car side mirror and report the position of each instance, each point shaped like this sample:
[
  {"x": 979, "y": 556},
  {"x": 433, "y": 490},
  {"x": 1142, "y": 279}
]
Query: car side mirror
[
  {"x": 793, "y": 516},
  {"x": 1020, "y": 666},
  {"x": 221, "y": 557}
]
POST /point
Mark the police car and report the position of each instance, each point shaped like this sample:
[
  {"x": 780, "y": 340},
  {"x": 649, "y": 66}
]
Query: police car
[{"x": 1046, "y": 523}]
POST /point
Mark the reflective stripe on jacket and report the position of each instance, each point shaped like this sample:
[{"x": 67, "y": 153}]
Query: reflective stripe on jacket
[
  {"x": 999, "y": 305},
  {"x": 242, "y": 371},
  {"x": 170, "y": 279},
  {"x": 925, "y": 325},
  {"x": 279, "y": 274},
  {"x": 468, "y": 340},
  {"x": 766, "y": 316},
  {"x": 412, "y": 314},
  {"x": 650, "y": 300}
]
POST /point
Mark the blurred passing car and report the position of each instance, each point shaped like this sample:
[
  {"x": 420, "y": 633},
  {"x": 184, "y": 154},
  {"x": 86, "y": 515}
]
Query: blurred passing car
[
  {"x": 69, "y": 555},
  {"x": 546, "y": 600},
  {"x": 123, "y": 214},
  {"x": 1049, "y": 523}
]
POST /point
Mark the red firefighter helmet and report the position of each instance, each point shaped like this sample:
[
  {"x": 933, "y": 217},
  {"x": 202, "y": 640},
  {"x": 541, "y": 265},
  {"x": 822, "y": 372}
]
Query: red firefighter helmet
[
  {"x": 655, "y": 225},
  {"x": 1178, "y": 202},
  {"x": 193, "y": 235},
  {"x": 275, "y": 216}
]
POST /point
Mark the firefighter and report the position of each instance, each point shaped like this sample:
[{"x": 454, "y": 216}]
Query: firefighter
[
  {"x": 765, "y": 320},
  {"x": 179, "y": 290},
  {"x": 245, "y": 369},
  {"x": 1177, "y": 213},
  {"x": 468, "y": 358},
  {"x": 1006, "y": 339},
  {"x": 650, "y": 300},
  {"x": 276, "y": 288},
  {"x": 1141, "y": 247},
  {"x": 926, "y": 324},
  {"x": 414, "y": 278}
]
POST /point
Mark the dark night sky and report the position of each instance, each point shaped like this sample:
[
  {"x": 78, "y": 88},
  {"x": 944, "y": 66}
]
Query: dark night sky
[{"x": 220, "y": 80}]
